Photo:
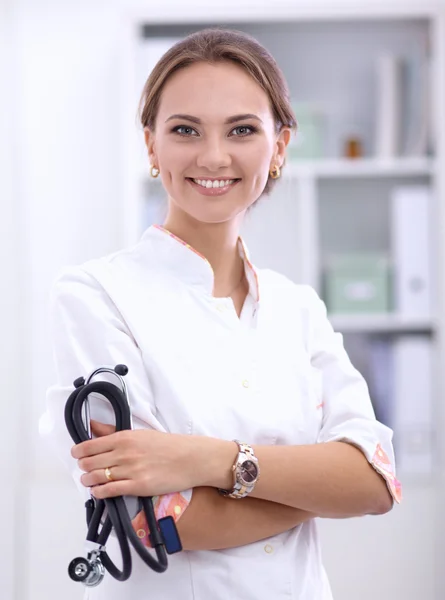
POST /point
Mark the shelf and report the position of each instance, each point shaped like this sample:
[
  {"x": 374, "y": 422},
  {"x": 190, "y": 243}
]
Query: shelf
[
  {"x": 344, "y": 168},
  {"x": 363, "y": 167},
  {"x": 380, "y": 323}
]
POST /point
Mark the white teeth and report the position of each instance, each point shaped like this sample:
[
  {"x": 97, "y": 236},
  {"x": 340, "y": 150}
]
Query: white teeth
[{"x": 207, "y": 183}]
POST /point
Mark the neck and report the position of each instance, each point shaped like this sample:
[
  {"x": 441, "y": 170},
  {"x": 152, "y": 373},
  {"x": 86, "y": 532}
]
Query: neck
[{"x": 218, "y": 243}]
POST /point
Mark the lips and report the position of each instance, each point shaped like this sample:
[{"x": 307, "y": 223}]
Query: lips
[
  {"x": 212, "y": 191},
  {"x": 220, "y": 183},
  {"x": 208, "y": 179}
]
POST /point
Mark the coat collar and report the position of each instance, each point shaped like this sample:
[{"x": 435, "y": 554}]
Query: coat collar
[{"x": 186, "y": 263}]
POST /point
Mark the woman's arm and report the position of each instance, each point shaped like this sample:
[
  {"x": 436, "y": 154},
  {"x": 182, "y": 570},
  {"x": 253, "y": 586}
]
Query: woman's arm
[
  {"x": 209, "y": 521},
  {"x": 330, "y": 480},
  {"x": 212, "y": 522}
]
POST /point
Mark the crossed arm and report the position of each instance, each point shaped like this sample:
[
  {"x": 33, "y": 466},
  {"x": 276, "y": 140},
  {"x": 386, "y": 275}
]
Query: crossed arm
[
  {"x": 332, "y": 479},
  {"x": 328, "y": 480},
  {"x": 212, "y": 522}
]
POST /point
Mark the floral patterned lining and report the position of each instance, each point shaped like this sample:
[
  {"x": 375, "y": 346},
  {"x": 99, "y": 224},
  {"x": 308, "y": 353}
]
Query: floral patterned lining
[
  {"x": 382, "y": 465},
  {"x": 172, "y": 505}
]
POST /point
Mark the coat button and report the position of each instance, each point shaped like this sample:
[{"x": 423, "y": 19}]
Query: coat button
[{"x": 268, "y": 548}]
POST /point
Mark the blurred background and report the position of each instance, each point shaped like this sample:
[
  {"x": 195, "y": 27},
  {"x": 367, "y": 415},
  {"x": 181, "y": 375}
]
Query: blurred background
[{"x": 358, "y": 214}]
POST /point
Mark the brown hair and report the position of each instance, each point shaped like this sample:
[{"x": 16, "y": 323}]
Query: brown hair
[{"x": 214, "y": 45}]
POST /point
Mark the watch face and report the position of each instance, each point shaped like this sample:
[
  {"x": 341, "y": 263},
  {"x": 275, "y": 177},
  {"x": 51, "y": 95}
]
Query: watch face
[{"x": 248, "y": 471}]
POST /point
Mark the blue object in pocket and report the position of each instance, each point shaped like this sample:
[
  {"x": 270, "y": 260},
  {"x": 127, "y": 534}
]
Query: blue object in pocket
[{"x": 170, "y": 535}]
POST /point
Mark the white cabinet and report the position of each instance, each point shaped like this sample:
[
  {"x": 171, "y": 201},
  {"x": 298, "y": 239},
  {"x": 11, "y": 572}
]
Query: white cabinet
[{"x": 331, "y": 206}]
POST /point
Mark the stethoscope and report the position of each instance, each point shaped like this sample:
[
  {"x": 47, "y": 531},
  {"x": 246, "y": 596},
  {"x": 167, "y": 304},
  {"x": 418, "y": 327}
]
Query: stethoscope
[{"x": 163, "y": 536}]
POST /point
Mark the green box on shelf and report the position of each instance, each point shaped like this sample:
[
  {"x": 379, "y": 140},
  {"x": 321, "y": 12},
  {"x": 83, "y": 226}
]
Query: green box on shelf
[
  {"x": 358, "y": 283},
  {"x": 307, "y": 143}
]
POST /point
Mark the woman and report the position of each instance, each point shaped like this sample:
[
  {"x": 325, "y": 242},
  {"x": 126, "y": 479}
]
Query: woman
[{"x": 218, "y": 351}]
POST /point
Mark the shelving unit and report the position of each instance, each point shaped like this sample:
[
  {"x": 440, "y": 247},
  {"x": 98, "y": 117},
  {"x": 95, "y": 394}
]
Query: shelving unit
[
  {"x": 381, "y": 323},
  {"x": 295, "y": 229},
  {"x": 344, "y": 168},
  {"x": 362, "y": 167}
]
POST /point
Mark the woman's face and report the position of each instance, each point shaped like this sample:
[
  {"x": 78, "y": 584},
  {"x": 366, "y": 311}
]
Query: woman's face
[{"x": 201, "y": 143}]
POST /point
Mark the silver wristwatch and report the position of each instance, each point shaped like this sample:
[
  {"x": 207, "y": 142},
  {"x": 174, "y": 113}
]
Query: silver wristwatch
[{"x": 246, "y": 472}]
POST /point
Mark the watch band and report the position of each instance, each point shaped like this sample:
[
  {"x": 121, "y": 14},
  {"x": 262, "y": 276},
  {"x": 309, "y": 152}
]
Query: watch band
[{"x": 240, "y": 488}]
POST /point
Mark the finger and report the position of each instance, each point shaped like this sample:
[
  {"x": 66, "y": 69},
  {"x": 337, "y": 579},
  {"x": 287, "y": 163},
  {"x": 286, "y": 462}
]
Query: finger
[
  {"x": 98, "y": 476},
  {"x": 100, "y": 429},
  {"x": 96, "y": 446},
  {"x": 123, "y": 487},
  {"x": 98, "y": 461}
]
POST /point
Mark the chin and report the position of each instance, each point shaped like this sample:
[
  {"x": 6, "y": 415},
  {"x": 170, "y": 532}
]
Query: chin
[
  {"x": 210, "y": 211},
  {"x": 213, "y": 218},
  {"x": 221, "y": 213}
]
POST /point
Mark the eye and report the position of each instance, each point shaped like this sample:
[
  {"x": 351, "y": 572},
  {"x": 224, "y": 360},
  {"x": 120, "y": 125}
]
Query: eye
[
  {"x": 244, "y": 128},
  {"x": 184, "y": 127}
]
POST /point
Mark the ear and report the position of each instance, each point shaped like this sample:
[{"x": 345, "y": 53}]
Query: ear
[
  {"x": 149, "y": 138},
  {"x": 282, "y": 141}
]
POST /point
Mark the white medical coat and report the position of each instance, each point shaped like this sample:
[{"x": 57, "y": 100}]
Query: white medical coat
[{"x": 276, "y": 375}]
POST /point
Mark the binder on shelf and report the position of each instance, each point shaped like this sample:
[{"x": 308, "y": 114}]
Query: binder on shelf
[
  {"x": 411, "y": 252},
  {"x": 388, "y": 106},
  {"x": 381, "y": 378},
  {"x": 413, "y": 400},
  {"x": 418, "y": 138}
]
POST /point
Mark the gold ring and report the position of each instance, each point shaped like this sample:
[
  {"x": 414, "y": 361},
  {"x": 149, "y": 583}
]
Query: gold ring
[{"x": 108, "y": 474}]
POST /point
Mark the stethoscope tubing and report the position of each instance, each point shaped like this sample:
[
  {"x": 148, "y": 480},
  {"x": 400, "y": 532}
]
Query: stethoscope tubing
[{"x": 117, "y": 512}]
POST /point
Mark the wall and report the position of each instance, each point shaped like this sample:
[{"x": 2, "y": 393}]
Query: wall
[
  {"x": 61, "y": 189},
  {"x": 11, "y": 346},
  {"x": 67, "y": 151}
]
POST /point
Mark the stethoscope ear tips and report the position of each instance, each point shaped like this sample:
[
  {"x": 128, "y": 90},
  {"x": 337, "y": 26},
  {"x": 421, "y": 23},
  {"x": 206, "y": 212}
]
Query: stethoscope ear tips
[
  {"x": 79, "y": 382},
  {"x": 121, "y": 369}
]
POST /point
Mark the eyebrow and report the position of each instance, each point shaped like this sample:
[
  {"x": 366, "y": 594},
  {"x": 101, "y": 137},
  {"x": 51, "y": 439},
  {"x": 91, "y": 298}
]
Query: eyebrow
[{"x": 229, "y": 120}]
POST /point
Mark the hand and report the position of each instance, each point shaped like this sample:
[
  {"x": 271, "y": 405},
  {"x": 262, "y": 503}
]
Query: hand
[{"x": 142, "y": 462}]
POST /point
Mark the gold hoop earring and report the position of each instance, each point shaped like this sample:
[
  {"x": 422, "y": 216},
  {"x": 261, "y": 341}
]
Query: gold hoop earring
[
  {"x": 154, "y": 171},
  {"x": 275, "y": 172}
]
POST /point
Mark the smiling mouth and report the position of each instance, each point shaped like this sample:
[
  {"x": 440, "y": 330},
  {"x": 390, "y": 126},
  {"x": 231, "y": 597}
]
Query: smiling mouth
[{"x": 220, "y": 182}]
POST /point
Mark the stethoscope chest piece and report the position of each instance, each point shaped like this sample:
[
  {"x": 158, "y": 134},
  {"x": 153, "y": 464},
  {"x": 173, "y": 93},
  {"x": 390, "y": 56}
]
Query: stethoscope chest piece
[{"x": 89, "y": 571}]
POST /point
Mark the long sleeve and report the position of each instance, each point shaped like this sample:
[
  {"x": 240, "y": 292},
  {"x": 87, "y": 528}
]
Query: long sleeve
[
  {"x": 348, "y": 414},
  {"x": 87, "y": 332}
]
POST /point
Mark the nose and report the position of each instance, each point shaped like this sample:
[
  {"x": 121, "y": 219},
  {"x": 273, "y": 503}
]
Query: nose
[{"x": 214, "y": 155}]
